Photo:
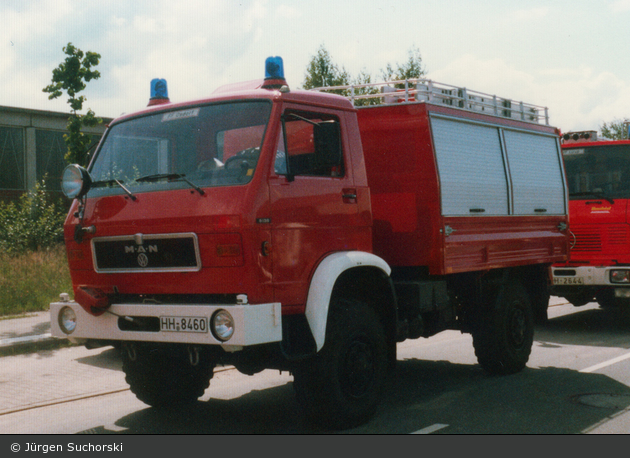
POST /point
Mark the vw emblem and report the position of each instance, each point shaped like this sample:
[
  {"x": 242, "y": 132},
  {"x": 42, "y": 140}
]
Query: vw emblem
[{"x": 143, "y": 260}]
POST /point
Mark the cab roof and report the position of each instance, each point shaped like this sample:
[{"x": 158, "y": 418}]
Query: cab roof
[{"x": 250, "y": 90}]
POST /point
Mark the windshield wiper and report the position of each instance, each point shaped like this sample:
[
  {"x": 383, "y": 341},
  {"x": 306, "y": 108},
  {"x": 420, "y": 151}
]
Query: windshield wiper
[
  {"x": 170, "y": 177},
  {"x": 599, "y": 195},
  {"x": 114, "y": 181}
]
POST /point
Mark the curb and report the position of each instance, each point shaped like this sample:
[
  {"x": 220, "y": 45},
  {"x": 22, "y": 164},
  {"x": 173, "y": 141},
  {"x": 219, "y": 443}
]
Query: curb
[{"x": 29, "y": 344}]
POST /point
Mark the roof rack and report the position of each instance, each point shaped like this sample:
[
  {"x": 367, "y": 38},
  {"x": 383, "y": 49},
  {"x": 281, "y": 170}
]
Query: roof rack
[{"x": 424, "y": 90}]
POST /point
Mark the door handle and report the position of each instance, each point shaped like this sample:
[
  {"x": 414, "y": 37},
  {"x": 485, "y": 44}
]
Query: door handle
[{"x": 349, "y": 196}]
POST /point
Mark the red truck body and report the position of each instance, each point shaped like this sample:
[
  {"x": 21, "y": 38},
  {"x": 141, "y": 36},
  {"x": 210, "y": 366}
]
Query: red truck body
[
  {"x": 408, "y": 218},
  {"x": 270, "y": 228},
  {"x": 599, "y": 185}
]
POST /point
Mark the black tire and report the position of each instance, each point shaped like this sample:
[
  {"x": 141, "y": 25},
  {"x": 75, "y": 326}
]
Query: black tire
[
  {"x": 504, "y": 333},
  {"x": 342, "y": 386},
  {"x": 166, "y": 375},
  {"x": 540, "y": 306}
]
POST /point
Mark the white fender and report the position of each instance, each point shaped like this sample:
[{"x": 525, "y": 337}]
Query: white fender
[{"x": 322, "y": 284}]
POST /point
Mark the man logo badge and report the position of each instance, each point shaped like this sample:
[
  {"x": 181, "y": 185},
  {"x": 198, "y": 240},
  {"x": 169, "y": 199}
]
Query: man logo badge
[{"x": 143, "y": 260}]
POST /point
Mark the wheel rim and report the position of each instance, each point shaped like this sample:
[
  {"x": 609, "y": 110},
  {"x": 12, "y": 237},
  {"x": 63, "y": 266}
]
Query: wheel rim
[
  {"x": 518, "y": 327},
  {"x": 357, "y": 374}
]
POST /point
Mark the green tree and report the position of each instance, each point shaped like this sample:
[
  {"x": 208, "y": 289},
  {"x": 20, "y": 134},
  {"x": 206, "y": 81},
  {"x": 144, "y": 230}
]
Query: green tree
[
  {"x": 362, "y": 79},
  {"x": 412, "y": 68},
  {"x": 71, "y": 76},
  {"x": 615, "y": 130},
  {"x": 322, "y": 72}
]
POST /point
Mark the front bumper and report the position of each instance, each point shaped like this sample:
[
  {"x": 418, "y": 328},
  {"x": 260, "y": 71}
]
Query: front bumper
[
  {"x": 253, "y": 324},
  {"x": 586, "y": 276}
]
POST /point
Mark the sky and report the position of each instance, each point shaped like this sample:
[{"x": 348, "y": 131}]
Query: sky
[{"x": 569, "y": 56}]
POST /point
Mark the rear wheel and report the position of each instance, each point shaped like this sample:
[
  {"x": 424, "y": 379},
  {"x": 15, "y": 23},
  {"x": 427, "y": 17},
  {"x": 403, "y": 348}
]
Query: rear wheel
[
  {"x": 504, "y": 332},
  {"x": 342, "y": 385},
  {"x": 166, "y": 375}
]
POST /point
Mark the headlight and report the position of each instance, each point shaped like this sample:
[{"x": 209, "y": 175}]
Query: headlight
[
  {"x": 222, "y": 325},
  {"x": 620, "y": 276},
  {"x": 67, "y": 320},
  {"x": 75, "y": 181}
]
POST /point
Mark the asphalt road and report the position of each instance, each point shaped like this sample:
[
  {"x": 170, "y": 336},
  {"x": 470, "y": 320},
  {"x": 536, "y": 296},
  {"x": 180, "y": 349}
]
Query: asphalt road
[{"x": 577, "y": 381}]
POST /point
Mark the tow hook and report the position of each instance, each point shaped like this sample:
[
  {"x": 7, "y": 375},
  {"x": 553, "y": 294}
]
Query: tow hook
[
  {"x": 193, "y": 356},
  {"x": 131, "y": 352}
]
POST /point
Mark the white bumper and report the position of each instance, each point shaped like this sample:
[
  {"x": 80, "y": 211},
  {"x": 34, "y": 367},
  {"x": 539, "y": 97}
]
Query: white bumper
[
  {"x": 585, "y": 276},
  {"x": 254, "y": 324}
]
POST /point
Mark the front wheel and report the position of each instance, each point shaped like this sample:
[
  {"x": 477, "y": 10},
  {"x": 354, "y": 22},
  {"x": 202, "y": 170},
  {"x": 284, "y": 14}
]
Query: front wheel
[
  {"x": 163, "y": 375},
  {"x": 504, "y": 332},
  {"x": 342, "y": 385}
]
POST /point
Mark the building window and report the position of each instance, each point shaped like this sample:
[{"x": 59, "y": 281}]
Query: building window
[
  {"x": 50, "y": 151},
  {"x": 12, "y": 158}
]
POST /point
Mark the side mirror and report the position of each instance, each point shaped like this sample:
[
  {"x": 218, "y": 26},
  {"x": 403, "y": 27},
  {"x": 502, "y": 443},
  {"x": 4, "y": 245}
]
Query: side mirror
[{"x": 327, "y": 138}]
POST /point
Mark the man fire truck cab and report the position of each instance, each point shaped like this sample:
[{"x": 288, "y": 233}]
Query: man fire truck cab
[
  {"x": 598, "y": 175},
  {"x": 265, "y": 227}
]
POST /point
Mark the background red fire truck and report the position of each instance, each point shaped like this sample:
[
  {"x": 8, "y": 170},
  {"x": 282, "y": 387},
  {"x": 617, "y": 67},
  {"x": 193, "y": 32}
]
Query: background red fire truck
[
  {"x": 598, "y": 175},
  {"x": 265, "y": 227}
]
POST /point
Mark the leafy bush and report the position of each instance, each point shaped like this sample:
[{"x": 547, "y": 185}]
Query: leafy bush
[
  {"x": 30, "y": 281},
  {"x": 33, "y": 222},
  {"x": 33, "y": 263}
]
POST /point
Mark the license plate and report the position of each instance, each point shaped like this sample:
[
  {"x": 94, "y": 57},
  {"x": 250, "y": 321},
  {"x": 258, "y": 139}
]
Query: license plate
[
  {"x": 184, "y": 324},
  {"x": 568, "y": 281}
]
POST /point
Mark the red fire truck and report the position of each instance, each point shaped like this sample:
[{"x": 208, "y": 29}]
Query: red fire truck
[
  {"x": 598, "y": 174},
  {"x": 265, "y": 227}
]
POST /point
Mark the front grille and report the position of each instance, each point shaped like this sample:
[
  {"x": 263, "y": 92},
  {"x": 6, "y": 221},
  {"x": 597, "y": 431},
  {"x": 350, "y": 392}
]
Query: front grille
[
  {"x": 587, "y": 240},
  {"x": 597, "y": 238},
  {"x": 618, "y": 235},
  {"x": 146, "y": 253}
]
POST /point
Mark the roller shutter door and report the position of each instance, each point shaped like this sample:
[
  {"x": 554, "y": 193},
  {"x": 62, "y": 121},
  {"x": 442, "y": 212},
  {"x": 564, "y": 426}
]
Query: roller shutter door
[
  {"x": 536, "y": 173},
  {"x": 471, "y": 168}
]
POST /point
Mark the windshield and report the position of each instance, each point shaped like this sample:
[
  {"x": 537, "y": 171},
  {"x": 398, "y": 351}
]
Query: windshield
[
  {"x": 213, "y": 145},
  {"x": 598, "y": 171}
]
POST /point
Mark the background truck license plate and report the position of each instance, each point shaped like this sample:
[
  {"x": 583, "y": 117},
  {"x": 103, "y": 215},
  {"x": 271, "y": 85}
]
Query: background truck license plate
[{"x": 568, "y": 281}]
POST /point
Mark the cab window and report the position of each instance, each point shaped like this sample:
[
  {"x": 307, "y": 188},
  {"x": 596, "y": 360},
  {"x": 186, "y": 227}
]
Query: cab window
[{"x": 309, "y": 145}]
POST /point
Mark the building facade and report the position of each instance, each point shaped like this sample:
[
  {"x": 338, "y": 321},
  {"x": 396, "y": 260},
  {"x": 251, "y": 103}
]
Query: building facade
[{"x": 32, "y": 147}]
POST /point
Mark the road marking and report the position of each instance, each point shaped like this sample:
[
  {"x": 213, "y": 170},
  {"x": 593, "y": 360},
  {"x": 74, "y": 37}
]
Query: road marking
[
  {"x": 114, "y": 428},
  {"x": 431, "y": 429},
  {"x": 605, "y": 363}
]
